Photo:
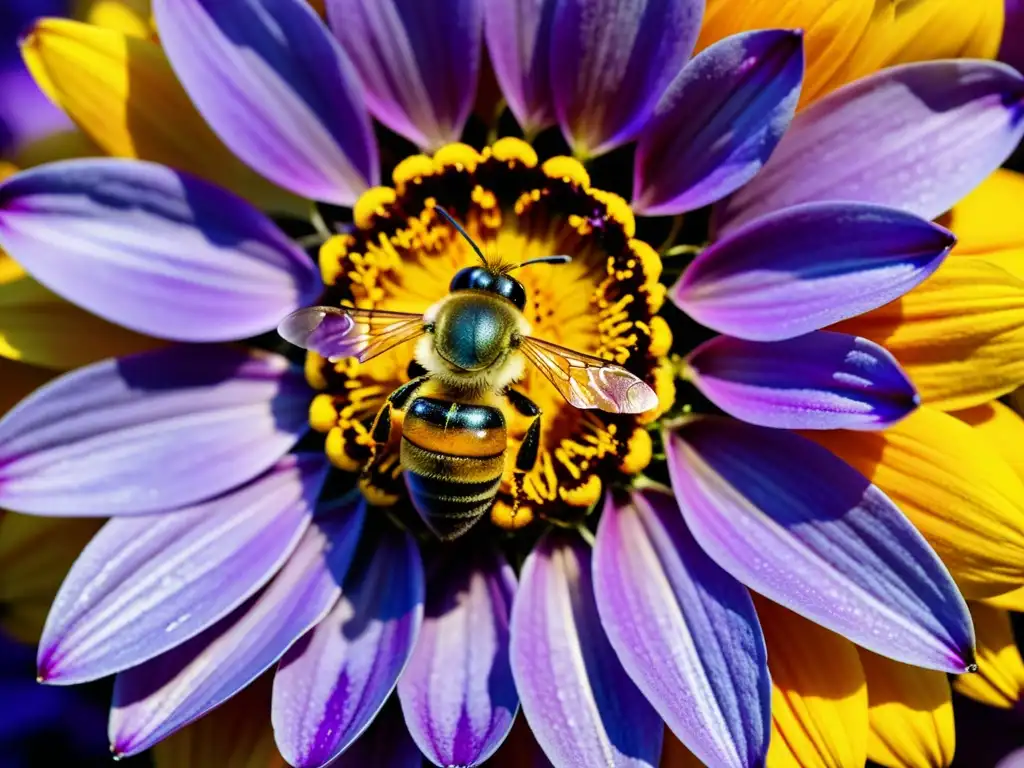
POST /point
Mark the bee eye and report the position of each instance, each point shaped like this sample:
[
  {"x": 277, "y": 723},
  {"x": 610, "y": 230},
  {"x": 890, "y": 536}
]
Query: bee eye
[
  {"x": 512, "y": 290},
  {"x": 463, "y": 279}
]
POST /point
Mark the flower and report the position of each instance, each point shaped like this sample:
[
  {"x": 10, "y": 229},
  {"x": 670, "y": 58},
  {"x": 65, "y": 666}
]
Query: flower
[{"x": 231, "y": 550}]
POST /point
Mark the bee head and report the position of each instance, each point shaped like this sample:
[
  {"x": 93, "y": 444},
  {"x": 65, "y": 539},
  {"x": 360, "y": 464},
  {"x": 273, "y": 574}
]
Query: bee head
[{"x": 490, "y": 281}]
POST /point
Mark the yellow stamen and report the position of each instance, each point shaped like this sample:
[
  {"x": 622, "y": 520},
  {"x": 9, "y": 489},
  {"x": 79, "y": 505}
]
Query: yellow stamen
[
  {"x": 371, "y": 205},
  {"x": 618, "y": 209},
  {"x": 323, "y": 416},
  {"x": 411, "y": 170},
  {"x": 639, "y": 451},
  {"x": 503, "y": 516},
  {"x": 513, "y": 150},
  {"x": 584, "y": 495},
  {"x": 661, "y": 336},
  {"x": 567, "y": 169},
  {"x": 458, "y": 156}
]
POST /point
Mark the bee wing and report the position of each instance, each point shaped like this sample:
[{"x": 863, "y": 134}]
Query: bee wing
[
  {"x": 338, "y": 332},
  {"x": 587, "y": 381}
]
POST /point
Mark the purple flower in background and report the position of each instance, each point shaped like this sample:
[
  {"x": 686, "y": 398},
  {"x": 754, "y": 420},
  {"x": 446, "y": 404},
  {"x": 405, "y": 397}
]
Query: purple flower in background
[
  {"x": 234, "y": 550},
  {"x": 25, "y": 113}
]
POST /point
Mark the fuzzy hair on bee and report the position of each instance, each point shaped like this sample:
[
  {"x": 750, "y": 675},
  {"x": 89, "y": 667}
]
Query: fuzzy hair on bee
[{"x": 464, "y": 328}]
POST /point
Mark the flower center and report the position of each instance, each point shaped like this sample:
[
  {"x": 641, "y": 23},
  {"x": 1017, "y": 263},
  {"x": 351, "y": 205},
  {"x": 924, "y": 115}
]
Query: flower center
[{"x": 401, "y": 255}]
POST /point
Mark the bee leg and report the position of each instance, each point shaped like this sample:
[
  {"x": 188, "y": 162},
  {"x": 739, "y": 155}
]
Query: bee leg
[
  {"x": 381, "y": 429},
  {"x": 526, "y": 458}
]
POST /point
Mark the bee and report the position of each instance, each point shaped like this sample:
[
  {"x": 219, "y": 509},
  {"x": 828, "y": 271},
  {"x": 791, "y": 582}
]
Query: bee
[{"x": 474, "y": 345}]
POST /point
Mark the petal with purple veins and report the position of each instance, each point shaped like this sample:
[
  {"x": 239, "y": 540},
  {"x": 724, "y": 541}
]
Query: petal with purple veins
[
  {"x": 718, "y": 122},
  {"x": 151, "y": 432},
  {"x": 579, "y": 701},
  {"x": 153, "y": 249},
  {"x": 157, "y": 698},
  {"x": 519, "y": 42},
  {"x": 277, "y": 89},
  {"x": 804, "y": 268},
  {"x": 684, "y": 629},
  {"x": 418, "y": 61},
  {"x": 146, "y": 584},
  {"x": 823, "y": 380},
  {"x": 331, "y": 684},
  {"x": 611, "y": 61},
  {"x": 457, "y": 693},
  {"x": 916, "y": 137},
  {"x": 798, "y": 525}
]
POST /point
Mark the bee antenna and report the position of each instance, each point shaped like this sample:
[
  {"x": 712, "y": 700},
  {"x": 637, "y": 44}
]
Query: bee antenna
[
  {"x": 462, "y": 232},
  {"x": 545, "y": 260}
]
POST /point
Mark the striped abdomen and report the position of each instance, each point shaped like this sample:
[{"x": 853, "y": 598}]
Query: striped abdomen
[{"x": 453, "y": 455}]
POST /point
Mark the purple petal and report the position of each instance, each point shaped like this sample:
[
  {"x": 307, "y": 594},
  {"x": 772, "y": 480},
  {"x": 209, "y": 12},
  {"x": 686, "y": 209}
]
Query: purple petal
[
  {"x": 278, "y": 90},
  {"x": 457, "y": 693},
  {"x": 418, "y": 61},
  {"x": 686, "y": 632},
  {"x": 916, "y": 137},
  {"x": 611, "y": 61},
  {"x": 793, "y": 522},
  {"x": 823, "y": 380},
  {"x": 385, "y": 743},
  {"x": 803, "y": 268},
  {"x": 25, "y": 113},
  {"x": 154, "y": 250},
  {"x": 332, "y": 683},
  {"x": 718, "y": 122},
  {"x": 519, "y": 43},
  {"x": 145, "y": 584},
  {"x": 579, "y": 701},
  {"x": 155, "y": 699},
  {"x": 151, "y": 432}
]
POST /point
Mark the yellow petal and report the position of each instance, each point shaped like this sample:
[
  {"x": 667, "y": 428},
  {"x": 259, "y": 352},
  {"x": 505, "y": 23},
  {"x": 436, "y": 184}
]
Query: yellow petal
[
  {"x": 960, "y": 334},
  {"x": 35, "y": 555},
  {"x": 988, "y": 225},
  {"x": 132, "y": 17},
  {"x": 318, "y": 6},
  {"x": 954, "y": 487},
  {"x": 40, "y": 328},
  {"x": 1002, "y": 427},
  {"x": 1010, "y": 601},
  {"x": 910, "y": 714},
  {"x": 235, "y": 735},
  {"x": 999, "y": 681},
  {"x": 989, "y": 219},
  {"x": 122, "y": 92},
  {"x": 924, "y": 30},
  {"x": 903, "y": 31},
  {"x": 832, "y": 30},
  {"x": 819, "y": 695}
]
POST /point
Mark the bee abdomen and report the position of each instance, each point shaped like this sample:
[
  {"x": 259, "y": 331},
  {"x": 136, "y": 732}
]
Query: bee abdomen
[
  {"x": 450, "y": 507},
  {"x": 453, "y": 456}
]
